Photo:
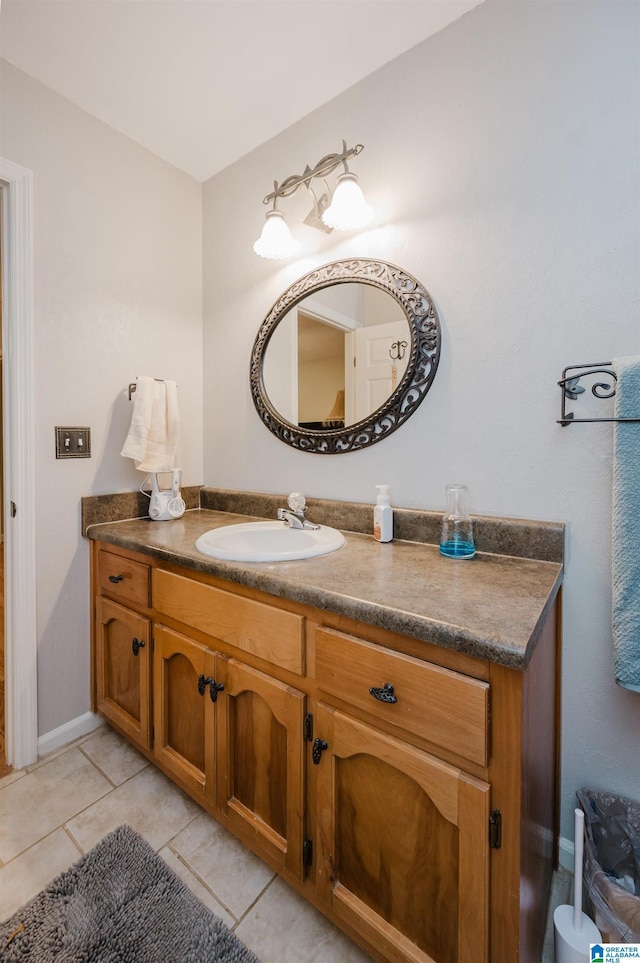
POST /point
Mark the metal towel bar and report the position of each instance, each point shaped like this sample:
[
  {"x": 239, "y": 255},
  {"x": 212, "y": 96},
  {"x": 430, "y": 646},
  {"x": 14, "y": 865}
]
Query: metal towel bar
[
  {"x": 132, "y": 386},
  {"x": 570, "y": 387}
]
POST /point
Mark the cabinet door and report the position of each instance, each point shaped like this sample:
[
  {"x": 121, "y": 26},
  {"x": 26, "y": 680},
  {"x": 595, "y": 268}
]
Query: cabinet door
[
  {"x": 260, "y": 760},
  {"x": 185, "y": 694},
  {"x": 123, "y": 669},
  {"x": 402, "y": 844}
]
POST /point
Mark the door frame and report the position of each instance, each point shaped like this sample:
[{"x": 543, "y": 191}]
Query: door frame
[{"x": 19, "y": 466}]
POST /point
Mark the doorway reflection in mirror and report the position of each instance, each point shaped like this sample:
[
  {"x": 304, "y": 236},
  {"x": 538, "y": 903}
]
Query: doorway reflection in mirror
[{"x": 331, "y": 361}]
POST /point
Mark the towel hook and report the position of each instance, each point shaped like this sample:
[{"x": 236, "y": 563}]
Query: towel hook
[{"x": 399, "y": 347}]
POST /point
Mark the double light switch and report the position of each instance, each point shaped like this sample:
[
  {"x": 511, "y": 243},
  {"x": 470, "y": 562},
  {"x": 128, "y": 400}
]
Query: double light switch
[{"x": 73, "y": 442}]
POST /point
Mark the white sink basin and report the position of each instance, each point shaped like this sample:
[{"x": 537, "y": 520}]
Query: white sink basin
[{"x": 268, "y": 542}]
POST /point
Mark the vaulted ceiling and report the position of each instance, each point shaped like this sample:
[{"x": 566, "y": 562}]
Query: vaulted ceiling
[{"x": 203, "y": 82}]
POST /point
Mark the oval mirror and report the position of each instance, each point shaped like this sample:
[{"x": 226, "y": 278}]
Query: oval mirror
[{"x": 345, "y": 356}]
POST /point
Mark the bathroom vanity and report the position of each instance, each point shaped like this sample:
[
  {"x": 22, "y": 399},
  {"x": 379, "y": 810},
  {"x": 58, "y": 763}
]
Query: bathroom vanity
[{"x": 378, "y": 725}]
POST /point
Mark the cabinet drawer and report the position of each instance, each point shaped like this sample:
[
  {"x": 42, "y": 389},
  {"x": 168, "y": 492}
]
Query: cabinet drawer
[
  {"x": 266, "y": 632},
  {"x": 122, "y": 578},
  {"x": 446, "y": 708}
]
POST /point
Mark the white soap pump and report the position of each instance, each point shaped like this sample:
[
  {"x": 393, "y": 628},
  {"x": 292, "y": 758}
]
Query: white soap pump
[{"x": 383, "y": 515}]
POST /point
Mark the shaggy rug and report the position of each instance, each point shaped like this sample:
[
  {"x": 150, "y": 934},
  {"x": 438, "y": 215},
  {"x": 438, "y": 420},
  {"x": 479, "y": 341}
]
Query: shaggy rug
[{"x": 120, "y": 903}]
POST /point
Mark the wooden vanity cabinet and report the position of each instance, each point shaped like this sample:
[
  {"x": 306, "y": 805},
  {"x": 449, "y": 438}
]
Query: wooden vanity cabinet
[
  {"x": 121, "y": 664},
  {"x": 260, "y": 752},
  {"x": 233, "y": 737},
  {"x": 184, "y": 681},
  {"x": 403, "y": 851},
  {"x": 407, "y": 791},
  {"x": 226, "y": 732},
  {"x": 123, "y": 670},
  {"x": 403, "y": 848}
]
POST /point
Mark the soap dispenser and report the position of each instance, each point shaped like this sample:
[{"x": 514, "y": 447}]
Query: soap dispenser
[{"x": 383, "y": 515}]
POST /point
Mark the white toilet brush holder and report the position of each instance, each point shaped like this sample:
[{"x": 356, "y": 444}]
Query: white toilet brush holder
[{"x": 574, "y": 931}]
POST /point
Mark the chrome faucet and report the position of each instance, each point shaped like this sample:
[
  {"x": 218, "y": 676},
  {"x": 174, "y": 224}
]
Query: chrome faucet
[{"x": 293, "y": 516}]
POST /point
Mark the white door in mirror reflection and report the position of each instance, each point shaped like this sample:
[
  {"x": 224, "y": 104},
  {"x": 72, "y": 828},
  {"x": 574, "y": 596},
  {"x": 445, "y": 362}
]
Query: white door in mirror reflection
[{"x": 381, "y": 361}]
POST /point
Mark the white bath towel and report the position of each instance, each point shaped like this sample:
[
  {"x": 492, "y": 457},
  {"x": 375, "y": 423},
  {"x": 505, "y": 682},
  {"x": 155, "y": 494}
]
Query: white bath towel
[
  {"x": 626, "y": 526},
  {"x": 153, "y": 435}
]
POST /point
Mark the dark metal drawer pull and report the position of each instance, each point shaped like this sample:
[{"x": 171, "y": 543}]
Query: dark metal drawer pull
[
  {"x": 137, "y": 644},
  {"x": 385, "y": 694},
  {"x": 116, "y": 578},
  {"x": 214, "y": 687}
]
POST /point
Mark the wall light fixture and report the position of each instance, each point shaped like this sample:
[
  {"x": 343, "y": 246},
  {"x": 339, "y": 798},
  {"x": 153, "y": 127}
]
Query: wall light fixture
[{"x": 345, "y": 210}]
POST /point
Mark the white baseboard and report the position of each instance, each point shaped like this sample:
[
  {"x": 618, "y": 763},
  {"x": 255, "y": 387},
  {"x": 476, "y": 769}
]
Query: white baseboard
[
  {"x": 71, "y": 730},
  {"x": 566, "y": 851}
]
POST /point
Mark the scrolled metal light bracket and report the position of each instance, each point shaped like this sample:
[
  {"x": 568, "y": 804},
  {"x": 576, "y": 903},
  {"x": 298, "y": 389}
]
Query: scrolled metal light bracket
[{"x": 325, "y": 166}]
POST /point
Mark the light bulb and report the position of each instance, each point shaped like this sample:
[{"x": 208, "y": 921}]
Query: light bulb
[
  {"x": 276, "y": 241},
  {"x": 348, "y": 209}
]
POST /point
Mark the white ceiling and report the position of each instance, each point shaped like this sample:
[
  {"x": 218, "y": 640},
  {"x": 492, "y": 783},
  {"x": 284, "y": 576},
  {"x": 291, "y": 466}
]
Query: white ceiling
[{"x": 203, "y": 82}]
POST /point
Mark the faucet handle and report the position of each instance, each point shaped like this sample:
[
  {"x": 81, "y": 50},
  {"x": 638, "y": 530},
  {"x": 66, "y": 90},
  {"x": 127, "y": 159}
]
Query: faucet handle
[{"x": 297, "y": 502}]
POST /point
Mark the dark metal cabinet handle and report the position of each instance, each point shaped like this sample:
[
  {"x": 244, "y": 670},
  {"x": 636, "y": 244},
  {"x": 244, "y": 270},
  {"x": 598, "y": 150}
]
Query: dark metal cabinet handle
[
  {"x": 116, "y": 578},
  {"x": 214, "y": 687},
  {"x": 319, "y": 746},
  {"x": 137, "y": 644},
  {"x": 385, "y": 694}
]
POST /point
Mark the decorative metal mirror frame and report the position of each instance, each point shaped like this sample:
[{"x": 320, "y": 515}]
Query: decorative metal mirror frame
[{"x": 421, "y": 368}]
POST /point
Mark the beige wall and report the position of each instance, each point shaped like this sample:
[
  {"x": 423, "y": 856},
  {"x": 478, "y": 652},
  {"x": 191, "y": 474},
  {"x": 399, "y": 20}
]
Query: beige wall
[
  {"x": 118, "y": 270},
  {"x": 502, "y": 157},
  {"x": 1, "y": 386},
  {"x": 320, "y": 382}
]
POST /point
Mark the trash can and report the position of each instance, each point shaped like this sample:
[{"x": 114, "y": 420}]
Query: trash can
[{"x": 612, "y": 864}]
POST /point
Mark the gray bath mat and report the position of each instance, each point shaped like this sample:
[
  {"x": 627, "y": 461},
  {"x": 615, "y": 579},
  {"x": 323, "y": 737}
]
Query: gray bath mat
[{"x": 120, "y": 903}]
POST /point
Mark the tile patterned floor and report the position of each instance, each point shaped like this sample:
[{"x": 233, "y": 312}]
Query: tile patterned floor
[{"x": 57, "y": 809}]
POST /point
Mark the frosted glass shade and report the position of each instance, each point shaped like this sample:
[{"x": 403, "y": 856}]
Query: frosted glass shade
[
  {"x": 348, "y": 209},
  {"x": 276, "y": 241}
]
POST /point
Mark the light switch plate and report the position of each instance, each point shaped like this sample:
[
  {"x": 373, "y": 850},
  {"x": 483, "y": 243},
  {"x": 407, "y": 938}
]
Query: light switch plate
[{"x": 73, "y": 442}]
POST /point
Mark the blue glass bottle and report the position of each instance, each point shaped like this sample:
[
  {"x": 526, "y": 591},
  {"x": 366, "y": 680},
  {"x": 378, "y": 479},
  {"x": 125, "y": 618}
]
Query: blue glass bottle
[{"x": 456, "y": 538}]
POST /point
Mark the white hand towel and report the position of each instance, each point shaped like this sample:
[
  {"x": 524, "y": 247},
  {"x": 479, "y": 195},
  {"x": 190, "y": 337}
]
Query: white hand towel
[{"x": 153, "y": 435}]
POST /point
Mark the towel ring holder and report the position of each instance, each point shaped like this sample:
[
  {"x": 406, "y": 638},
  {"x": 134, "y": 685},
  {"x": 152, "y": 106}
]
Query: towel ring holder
[{"x": 132, "y": 386}]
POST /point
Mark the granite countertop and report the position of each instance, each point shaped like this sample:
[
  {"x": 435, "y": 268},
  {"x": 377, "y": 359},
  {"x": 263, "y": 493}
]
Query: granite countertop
[{"x": 492, "y": 606}]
